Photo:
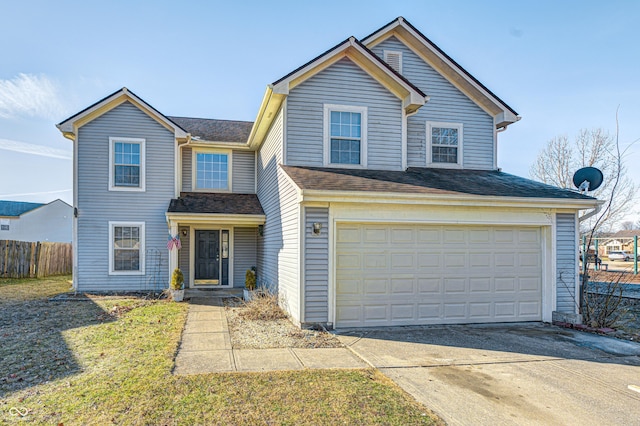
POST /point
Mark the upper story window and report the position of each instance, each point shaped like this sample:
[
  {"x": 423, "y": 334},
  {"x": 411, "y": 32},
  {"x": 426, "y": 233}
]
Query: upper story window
[
  {"x": 444, "y": 144},
  {"x": 211, "y": 171},
  {"x": 126, "y": 248},
  {"x": 394, "y": 59},
  {"x": 126, "y": 164},
  {"x": 345, "y": 135}
]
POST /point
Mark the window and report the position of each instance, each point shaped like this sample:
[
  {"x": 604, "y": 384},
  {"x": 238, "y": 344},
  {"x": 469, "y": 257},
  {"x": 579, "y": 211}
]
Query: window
[
  {"x": 445, "y": 144},
  {"x": 345, "y": 135},
  {"x": 126, "y": 248},
  {"x": 126, "y": 164},
  {"x": 394, "y": 59},
  {"x": 4, "y": 224},
  {"x": 211, "y": 170}
]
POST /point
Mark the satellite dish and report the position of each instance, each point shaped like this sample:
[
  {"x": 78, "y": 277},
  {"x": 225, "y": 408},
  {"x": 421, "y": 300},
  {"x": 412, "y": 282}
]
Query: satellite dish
[{"x": 588, "y": 179}]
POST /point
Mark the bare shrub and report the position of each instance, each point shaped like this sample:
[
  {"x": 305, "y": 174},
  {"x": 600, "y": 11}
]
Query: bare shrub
[
  {"x": 602, "y": 300},
  {"x": 264, "y": 306}
]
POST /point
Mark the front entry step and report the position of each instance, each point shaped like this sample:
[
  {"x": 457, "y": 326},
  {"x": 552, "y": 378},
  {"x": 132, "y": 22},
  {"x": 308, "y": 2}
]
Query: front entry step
[{"x": 212, "y": 292}]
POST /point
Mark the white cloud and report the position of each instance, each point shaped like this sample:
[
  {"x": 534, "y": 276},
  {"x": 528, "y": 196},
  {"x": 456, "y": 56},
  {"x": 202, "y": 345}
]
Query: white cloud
[
  {"x": 29, "y": 95},
  {"x": 29, "y": 148}
]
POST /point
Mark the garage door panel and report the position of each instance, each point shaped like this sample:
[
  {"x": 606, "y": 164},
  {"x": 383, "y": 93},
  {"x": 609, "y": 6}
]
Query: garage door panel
[
  {"x": 376, "y": 287},
  {"x": 403, "y": 286},
  {"x": 429, "y": 236},
  {"x": 429, "y": 286},
  {"x": 480, "y": 310},
  {"x": 409, "y": 274},
  {"x": 375, "y": 235},
  {"x": 375, "y": 260},
  {"x": 455, "y": 311},
  {"x": 455, "y": 285}
]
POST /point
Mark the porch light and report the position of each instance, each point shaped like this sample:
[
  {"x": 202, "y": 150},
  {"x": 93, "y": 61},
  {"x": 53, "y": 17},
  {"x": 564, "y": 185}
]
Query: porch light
[
  {"x": 184, "y": 232},
  {"x": 317, "y": 226}
]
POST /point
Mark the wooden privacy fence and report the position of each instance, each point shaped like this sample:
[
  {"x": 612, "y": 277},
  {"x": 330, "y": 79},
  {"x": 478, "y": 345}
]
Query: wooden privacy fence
[{"x": 20, "y": 259}]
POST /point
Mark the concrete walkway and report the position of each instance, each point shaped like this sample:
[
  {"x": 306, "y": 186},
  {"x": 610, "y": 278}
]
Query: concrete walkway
[{"x": 206, "y": 348}]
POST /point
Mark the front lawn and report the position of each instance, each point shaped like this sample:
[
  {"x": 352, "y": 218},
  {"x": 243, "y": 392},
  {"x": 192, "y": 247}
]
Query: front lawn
[{"x": 109, "y": 360}]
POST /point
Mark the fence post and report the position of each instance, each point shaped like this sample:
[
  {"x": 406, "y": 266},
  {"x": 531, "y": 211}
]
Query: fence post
[{"x": 635, "y": 255}]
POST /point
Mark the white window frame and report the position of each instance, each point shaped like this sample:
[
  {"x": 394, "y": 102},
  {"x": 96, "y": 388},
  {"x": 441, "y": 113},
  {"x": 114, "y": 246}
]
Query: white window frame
[
  {"x": 5, "y": 223},
  {"x": 328, "y": 108},
  {"x": 386, "y": 54},
  {"x": 112, "y": 226},
  {"x": 448, "y": 125},
  {"x": 194, "y": 168},
  {"x": 112, "y": 144}
]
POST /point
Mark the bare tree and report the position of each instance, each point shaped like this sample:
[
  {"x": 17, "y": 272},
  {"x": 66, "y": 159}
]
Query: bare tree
[
  {"x": 628, "y": 225},
  {"x": 560, "y": 158}
]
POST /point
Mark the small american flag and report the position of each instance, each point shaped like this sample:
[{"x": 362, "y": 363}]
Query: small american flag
[{"x": 174, "y": 242}]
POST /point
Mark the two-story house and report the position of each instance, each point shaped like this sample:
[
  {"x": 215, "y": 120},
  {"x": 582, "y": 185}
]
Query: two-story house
[{"x": 367, "y": 193}]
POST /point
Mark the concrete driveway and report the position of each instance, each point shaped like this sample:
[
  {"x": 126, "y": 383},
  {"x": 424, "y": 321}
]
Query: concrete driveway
[{"x": 509, "y": 374}]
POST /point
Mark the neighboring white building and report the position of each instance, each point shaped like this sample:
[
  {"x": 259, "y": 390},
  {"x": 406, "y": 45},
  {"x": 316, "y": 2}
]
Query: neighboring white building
[{"x": 21, "y": 221}]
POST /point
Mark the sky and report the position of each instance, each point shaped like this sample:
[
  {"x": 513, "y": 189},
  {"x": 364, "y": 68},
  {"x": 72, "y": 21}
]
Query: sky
[{"x": 562, "y": 65}]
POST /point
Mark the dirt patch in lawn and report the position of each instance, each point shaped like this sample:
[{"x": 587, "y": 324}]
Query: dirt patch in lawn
[{"x": 261, "y": 324}]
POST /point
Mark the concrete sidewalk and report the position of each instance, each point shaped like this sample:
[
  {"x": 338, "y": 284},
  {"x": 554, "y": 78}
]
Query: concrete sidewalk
[{"x": 206, "y": 348}]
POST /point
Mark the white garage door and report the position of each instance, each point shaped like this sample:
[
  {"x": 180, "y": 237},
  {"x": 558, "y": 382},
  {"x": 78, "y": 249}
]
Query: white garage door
[{"x": 410, "y": 274}]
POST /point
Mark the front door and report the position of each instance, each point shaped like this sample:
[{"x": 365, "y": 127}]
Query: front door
[{"x": 207, "y": 258}]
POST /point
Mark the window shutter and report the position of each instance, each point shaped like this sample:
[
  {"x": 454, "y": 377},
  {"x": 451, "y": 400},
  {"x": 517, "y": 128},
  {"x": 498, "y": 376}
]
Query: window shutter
[{"x": 394, "y": 59}]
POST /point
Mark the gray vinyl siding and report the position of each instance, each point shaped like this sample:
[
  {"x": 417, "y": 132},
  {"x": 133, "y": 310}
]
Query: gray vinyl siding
[
  {"x": 446, "y": 104},
  {"x": 316, "y": 266},
  {"x": 187, "y": 177},
  {"x": 566, "y": 269},
  {"x": 278, "y": 247},
  {"x": 97, "y": 205},
  {"x": 184, "y": 255},
  {"x": 244, "y": 253},
  {"x": 243, "y": 173},
  {"x": 343, "y": 83}
]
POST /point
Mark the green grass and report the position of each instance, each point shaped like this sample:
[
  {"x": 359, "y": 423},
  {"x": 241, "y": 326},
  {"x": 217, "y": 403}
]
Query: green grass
[{"x": 113, "y": 365}]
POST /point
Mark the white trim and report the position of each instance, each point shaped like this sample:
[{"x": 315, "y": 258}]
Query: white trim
[
  {"x": 326, "y": 136},
  {"x": 141, "y": 225},
  {"x": 194, "y": 168},
  {"x": 192, "y": 254},
  {"x": 404, "y": 141},
  {"x": 302, "y": 244},
  {"x": 458, "y": 80},
  {"x": 143, "y": 154},
  {"x": 441, "y": 124},
  {"x": 550, "y": 271},
  {"x": 76, "y": 213},
  {"x": 405, "y": 198},
  {"x": 69, "y": 127},
  {"x": 386, "y": 53},
  {"x": 284, "y": 113},
  {"x": 225, "y": 219}
]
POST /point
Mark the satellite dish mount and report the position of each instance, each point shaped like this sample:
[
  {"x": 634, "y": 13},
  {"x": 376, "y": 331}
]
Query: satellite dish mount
[{"x": 587, "y": 179}]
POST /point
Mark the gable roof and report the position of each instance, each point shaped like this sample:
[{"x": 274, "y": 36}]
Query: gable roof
[
  {"x": 429, "y": 181},
  {"x": 412, "y": 97},
  {"x": 215, "y": 130},
  {"x": 69, "y": 125},
  {"x": 17, "y": 208},
  {"x": 443, "y": 63}
]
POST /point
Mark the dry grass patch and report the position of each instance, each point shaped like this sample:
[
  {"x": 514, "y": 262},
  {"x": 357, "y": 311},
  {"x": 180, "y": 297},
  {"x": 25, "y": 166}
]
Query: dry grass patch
[
  {"x": 262, "y": 324},
  {"x": 116, "y": 369}
]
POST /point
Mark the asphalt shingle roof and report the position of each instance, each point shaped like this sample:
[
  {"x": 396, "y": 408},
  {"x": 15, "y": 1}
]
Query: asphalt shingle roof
[
  {"x": 16, "y": 208},
  {"x": 426, "y": 181},
  {"x": 222, "y": 203},
  {"x": 215, "y": 130}
]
